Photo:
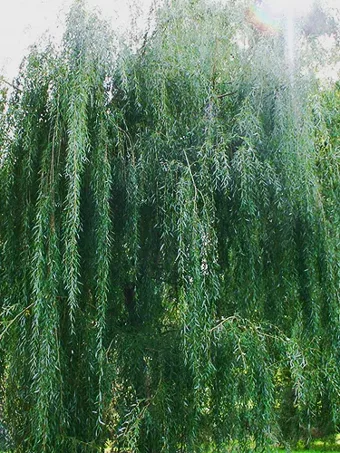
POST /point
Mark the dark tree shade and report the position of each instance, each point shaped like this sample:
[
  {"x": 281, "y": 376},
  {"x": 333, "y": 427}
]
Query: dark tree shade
[{"x": 169, "y": 230}]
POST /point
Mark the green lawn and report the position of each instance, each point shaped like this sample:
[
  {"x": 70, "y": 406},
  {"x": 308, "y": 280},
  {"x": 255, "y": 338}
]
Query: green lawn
[
  {"x": 317, "y": 446},
  {"x": 315, "y": 450}
]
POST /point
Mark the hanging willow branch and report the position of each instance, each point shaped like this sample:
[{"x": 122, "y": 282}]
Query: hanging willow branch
[{"x": 169, "y": 266}]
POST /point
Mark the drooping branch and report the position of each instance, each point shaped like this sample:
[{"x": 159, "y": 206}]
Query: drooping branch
[{"x": 2, "y": 79}]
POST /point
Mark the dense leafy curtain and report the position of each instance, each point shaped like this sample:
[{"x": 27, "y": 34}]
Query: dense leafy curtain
[{"x": 169, "y": 239}]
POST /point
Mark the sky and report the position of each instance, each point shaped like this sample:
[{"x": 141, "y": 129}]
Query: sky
[{"x": 23, "y": 22}]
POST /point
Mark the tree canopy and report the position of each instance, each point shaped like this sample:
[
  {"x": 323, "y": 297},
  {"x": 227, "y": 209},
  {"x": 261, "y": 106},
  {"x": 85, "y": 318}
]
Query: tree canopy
[{"x": 169, "y": 229}]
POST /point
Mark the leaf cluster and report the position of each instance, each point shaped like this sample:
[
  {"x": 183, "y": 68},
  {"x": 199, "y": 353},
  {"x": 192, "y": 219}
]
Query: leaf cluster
[{"x": 169, "y": 240}]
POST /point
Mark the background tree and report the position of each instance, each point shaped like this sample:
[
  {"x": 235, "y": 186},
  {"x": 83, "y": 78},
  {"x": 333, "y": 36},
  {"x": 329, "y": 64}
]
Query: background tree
[{"x": 170, "y": 239}]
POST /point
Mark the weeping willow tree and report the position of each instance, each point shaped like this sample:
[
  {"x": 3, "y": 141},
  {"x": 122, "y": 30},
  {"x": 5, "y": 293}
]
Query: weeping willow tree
[{"x": 169, "y": 240}]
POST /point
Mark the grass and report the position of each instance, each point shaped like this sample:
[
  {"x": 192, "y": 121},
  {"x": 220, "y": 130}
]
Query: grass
[
  {"x": 316, "y": 449},
  {"x": 331, "y": 443},
  {"x": 317, "y": 446}
]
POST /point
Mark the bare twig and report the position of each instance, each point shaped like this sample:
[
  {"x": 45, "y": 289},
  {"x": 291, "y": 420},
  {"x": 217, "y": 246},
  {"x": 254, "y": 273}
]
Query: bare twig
[
  {"x": 220, "y": 324},
  {"x": 2, "y": 79},
  {"x": 14, "y": 319},
  {"x": 220, "y": 96}
]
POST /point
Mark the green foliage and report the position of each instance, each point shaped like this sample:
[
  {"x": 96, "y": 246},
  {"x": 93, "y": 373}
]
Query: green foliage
[{"x": 170, "y": 240}]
